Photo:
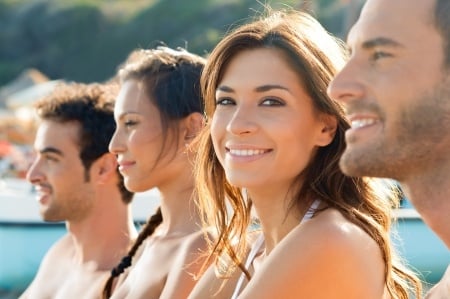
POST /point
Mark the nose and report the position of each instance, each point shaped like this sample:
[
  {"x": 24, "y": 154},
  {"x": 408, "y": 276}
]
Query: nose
[
  {"x": 34, "y": 173},
  {"x": 347, "y": 85},
  {"x": 243, "y": 121},
  {"x": 115, "y": 144}
]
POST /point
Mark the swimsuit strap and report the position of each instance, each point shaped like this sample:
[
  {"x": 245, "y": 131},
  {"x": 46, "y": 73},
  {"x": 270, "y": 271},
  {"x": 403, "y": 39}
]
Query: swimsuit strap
[
  {"x": 260, "y": 241},
  {"x": 248, "y": 262},
  {"x": 312, "y": 209}
]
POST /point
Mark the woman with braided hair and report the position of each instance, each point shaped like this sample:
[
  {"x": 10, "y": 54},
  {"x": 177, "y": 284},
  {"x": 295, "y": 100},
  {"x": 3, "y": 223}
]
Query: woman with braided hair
[{"x": 158, "y": 112}]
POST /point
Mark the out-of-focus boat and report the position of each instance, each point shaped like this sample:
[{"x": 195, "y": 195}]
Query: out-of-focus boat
[{"x": 25, "y": 238}]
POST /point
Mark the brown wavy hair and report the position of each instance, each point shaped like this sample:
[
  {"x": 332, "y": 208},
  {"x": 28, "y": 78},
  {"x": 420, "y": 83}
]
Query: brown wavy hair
[{"x": 315, "y": 56}]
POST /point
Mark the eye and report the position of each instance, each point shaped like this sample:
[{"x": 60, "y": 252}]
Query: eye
[
  {"x": 130, "y": 123},
  {"x": 224, "y": 102},
  {"x": 50, "y": 158},
  {"x": 272, "y": 102},
  {"x": 377, "y": 55}
]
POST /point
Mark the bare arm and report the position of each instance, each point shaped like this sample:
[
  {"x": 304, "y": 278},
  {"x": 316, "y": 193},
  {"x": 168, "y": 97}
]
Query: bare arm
[{"x": 210, "y": 286}]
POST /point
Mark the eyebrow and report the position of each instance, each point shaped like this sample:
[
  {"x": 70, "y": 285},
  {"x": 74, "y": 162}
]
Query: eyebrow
[
  {"x": 51, "y": 150},
  {"x": 262, "y": 88},
  {"x": 381, "y": 41}
]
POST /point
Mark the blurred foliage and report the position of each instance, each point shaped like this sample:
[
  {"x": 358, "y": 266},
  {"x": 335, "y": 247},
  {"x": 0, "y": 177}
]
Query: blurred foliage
[{"x": 85, "y": 40}]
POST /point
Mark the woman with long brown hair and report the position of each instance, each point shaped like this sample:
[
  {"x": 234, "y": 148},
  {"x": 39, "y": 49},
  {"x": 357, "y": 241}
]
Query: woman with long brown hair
[
  {"x": 273, "y": 142},
  {"x": 158, "y": 113}
]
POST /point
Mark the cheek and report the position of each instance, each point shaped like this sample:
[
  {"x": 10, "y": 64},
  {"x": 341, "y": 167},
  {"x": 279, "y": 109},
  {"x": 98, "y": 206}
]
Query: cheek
[
  {"x": 297, "y": 145},
  {"x": 217, "y": 134},
  {"x": 143, "y": 138}
]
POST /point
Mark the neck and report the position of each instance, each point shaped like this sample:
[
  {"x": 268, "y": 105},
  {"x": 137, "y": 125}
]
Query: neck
[
  {"x": 429, "y": 192},
  {"x": 277, "y": 218},
  {"x": 178, "y": 208},
  {"x": 104, "y": 236}
]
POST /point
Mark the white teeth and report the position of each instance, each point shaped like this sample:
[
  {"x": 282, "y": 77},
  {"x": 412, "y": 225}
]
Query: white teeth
[
  {"x": 246, "y": 152},
  {"x": 362, "y": 123}
]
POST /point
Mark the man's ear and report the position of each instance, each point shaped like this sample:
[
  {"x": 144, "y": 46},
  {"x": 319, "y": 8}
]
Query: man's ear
[
  {"x": 328, "y": 130},
  {"x": 193, "y": 124},
  {"x": 104, "y": 168}
]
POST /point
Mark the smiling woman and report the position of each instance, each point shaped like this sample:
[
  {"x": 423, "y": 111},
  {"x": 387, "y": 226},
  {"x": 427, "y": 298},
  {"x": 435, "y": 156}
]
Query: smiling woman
[{"x": 273, "y": 142}]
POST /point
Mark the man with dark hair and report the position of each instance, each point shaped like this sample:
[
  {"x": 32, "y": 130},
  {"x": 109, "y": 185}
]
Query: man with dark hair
[
  {"x": 77, "y": 181},
  {"x": 396, "y": 91}
]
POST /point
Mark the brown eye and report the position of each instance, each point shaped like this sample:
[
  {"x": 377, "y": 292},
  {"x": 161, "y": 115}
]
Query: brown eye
[
  {"x": 272, "y": 102},
  {"x": 224, "y": 102}
]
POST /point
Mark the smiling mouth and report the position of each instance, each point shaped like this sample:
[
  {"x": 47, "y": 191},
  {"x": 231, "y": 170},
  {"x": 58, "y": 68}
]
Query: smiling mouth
[
  {"x": 361, "y": 123},
  {"x": 247, "y": 152}
]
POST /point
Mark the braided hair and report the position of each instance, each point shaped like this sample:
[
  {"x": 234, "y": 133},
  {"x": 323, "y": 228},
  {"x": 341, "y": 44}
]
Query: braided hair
[
  {"x": 172, "y": 79},
  {"x": 148, "y": 229}
]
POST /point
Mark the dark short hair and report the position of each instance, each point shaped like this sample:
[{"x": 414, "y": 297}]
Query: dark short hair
[{"x": 92, "y": 106}]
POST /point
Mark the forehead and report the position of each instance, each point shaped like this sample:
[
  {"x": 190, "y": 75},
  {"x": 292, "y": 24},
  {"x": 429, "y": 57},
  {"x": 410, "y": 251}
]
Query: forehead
[
  {"x": 63, "y": 136},
  {"x": 257, "y": 66},
  {"x": 404, "y": 21},
  {"x": 133, "y": 98}
]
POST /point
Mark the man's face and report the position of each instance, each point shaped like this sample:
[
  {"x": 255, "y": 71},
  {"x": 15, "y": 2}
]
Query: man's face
[
  {"x": 58, "y": 173},
  {"x": 396, "y": 91}
]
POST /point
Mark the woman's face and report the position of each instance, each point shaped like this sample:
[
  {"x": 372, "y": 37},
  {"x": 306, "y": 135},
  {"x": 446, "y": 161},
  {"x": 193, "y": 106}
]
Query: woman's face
[
  {"x": 264, "y": 129},
  {"x": 138, "y": 139}
]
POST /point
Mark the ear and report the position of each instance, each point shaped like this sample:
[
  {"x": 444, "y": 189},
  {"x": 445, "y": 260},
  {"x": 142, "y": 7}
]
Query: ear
[
  {"x": 193, "y": 124},
  {"x": 105, "y": 168},
  {"x": 328, "y": 129}
]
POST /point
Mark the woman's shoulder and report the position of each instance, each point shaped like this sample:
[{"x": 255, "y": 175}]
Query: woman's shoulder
[
  {"x": 196, "y": 239},
  {"x": 331, "y": 225},
  {"x": 331, "y": 237},
  {"x": 332, "y": 257}
]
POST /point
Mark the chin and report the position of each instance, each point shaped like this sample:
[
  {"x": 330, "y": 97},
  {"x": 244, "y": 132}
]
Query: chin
[
  {"x": 353, "y": 166},
  {"x": 134, "y": 186}
]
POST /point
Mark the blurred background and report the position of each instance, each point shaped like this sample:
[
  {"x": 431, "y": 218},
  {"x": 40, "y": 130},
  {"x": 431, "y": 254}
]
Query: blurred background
[
  {"x": 43, "y": 42},
  {"x": 85, "y": 40}
]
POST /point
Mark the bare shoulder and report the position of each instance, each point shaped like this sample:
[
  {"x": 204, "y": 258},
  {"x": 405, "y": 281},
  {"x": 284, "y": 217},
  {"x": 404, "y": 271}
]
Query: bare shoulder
[
  {"x": 333, "y": 239},
  {"x": 57, "y": 253},
  {"x": 331, "y": 227},
  {"x": 331, "y": 256},
  {"x": 194, "y": 240},
  {"x": 191, "y": 250},
  {"x": 49, "y": 277},
  {"x": 189, "y": 259}
]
